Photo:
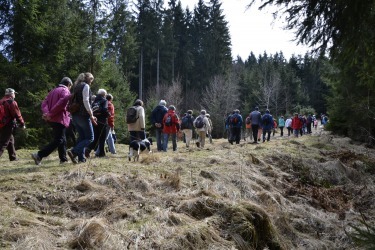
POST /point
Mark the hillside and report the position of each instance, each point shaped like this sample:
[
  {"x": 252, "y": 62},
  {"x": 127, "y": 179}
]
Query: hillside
[{"x": 290, "y": 193}]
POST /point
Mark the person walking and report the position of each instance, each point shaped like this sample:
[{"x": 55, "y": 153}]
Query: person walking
[
  {"x": 84, "y": 118},
  {"x": 157, "y": 116},
  {"x": 100, "y": 111},
  {"x": 248, "y": 129},
  {"x": 209, "y": 133},
  {"x": 11, "y": 115},
  {"x": 281, "y": 125},
  {"x": 111, "y": 125},
  {"x": 55, "y": 114},
  {"x": 187, "y": 125},
  {"x": 236, "y": 126},
  {"x": 288, "y": 125},
  {"x": 267, "y": 125},
  {"x": 135, "y": 118},
  {"x": 202, "y": 125},
  {"x": 296, "y": 124},
  {"x": 255, "y": 118},
  {"x": 171, "y": 125}
]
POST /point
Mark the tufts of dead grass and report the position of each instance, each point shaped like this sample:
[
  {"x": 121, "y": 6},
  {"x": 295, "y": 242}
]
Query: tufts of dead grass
[
  {"x": 91, "y": 202},
  {"x": 90, "y": 234},
  {"x": 150, "y": 158}
]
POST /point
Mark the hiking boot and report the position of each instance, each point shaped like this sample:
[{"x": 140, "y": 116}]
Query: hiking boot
[
  {"x": 15, "y": 159},
  {"x": 36, "y": 158},
  {"x": 72, "y": 156},
  {"x": 87, "y": 152},
  {"x": 198, "y": 144}
]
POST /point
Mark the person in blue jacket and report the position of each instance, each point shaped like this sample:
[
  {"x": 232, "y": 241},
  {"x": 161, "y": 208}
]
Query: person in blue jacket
[
  {"x": 157, "y": 116},
  {"x": 267, "y": 125},
  {"x": 235, "y": 123}
]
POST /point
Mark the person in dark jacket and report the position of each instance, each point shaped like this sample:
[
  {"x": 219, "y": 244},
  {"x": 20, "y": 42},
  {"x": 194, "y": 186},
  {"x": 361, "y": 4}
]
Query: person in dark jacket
[
  {"x": 100, "y": 111},
  {"x": 13, "y": 115},
  {"x": 83, "y": 119},
  {"x": 157, "y": 116},
  {"x": 267, "y": 125},
  {"x": 255, "y": 118},
  {"x": 187, "y": 125},
  {"x": 235, "y": 127}
]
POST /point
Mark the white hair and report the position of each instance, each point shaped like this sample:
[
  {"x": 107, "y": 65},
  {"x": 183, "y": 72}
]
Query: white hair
[{"x": 102, "y": 92}]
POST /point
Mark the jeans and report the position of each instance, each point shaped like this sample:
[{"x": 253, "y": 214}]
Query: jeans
[
  {"x": 110, "y": 141},
  {"x": 281, "y": 131},
  {"x": 59, "y": 142},
  {"x": 165, "y": 142},
  {"x": 85, "y": 132},
  {"x": 159, "y": 138}
]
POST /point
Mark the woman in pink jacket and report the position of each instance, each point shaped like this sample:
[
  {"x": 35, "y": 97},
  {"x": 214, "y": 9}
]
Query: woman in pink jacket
[{"x": 55, "y": 113}]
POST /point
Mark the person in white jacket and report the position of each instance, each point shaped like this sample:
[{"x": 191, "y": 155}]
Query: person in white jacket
[{"x": 203, "y": 127}]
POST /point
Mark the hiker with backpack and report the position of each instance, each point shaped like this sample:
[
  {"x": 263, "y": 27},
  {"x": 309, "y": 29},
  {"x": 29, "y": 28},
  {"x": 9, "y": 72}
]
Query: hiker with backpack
[
  {"x": 235, "y": 127},
  {"x": 255, "y": 118},
  {"x": 83, "y": 117},
  {"x": 248, "y": 129},
  {"x": 227, "y": 125},
  {"x": 100, "y": 111},
  {"x": 202, "y": 126},
  {"x": 267, "y": 125},
  {"x": 10, "y": 115},
  {"x": 187, "y": 125},
  {"x": 58, "y": 118},
  {"x": 111, "y": 136},
  {"x": 135, "y": 118},
  {"x": 157, "y": 116},
  {"x": 171, "y": 125}
]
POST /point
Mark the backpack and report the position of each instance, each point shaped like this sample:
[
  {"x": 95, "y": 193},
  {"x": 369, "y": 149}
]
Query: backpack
[
  {"x": 131, "y": 115},
  {"x": 168, "y": 120},
  {"x": 73, "y": 105},
  {"x": 186, "y": 122},
  {"x": 3, "y": 118},
  {"x": 248, "y": 120},
  {"x": 234, "y": 119},
  {"x": 199, "y": 122},
  {"x": 266, "y": 120}
]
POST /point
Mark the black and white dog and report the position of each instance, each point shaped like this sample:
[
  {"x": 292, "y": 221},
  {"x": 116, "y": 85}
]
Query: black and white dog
[{"x": 137, "y": 147}]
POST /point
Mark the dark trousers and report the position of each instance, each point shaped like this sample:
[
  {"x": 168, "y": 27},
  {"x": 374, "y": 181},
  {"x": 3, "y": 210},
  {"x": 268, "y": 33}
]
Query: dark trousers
[
  {"x": 308, "y": 127},
  {"x": 235, "y": 135},
  {"x": 59, "y": 142},
  {"x": 268, "y": 136},
  {"x": 281, "y": 131},
  {"x": 7, "y": 141},
  {"x": 290, "y": 130},
  {"x": 100, "y": 135},
  {"x": 137, "y": 135},
  {"x": 255, "y": 128}
]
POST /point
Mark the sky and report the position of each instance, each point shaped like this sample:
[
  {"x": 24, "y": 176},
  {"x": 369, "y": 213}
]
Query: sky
[{"x": 255, "y": 30}]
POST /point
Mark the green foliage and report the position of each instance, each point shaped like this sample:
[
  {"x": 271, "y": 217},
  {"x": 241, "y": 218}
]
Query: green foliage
[{"x": 363, "y": 235}]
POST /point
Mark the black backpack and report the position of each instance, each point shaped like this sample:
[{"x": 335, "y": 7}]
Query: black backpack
[
  {"x": 131, "y": 115},
  {"x": 186, "y": 122}
]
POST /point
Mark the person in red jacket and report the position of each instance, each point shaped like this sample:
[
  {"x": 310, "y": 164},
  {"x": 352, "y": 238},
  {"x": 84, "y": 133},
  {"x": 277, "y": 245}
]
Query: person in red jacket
[
  {"x": 111, "y": 125},
  {"x": 13, "y": 115},
  {"x": 171, "y": 125},
  {"x": 296, "y": 124}
]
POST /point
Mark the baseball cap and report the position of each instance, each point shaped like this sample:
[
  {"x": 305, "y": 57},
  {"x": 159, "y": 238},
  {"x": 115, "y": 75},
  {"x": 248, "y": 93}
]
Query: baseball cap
[{"x": 10, "y": 91}]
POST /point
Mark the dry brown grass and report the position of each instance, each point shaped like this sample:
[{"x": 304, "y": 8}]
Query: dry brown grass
[{"x": 285, "y": 194}]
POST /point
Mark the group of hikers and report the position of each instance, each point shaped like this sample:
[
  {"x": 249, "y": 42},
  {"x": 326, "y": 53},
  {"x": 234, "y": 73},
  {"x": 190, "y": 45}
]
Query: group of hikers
[
  {"x": 71, "y": 105},
  {"x": 258, "y": 125}
]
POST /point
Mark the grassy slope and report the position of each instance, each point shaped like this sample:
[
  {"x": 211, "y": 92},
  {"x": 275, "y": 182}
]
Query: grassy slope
[{"x": 285, "y": 194}]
